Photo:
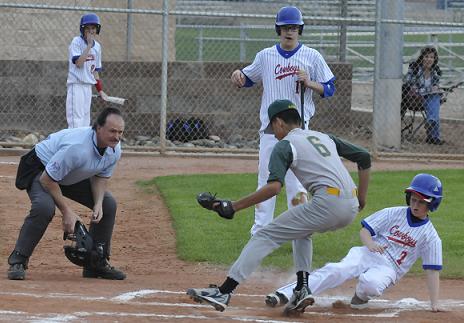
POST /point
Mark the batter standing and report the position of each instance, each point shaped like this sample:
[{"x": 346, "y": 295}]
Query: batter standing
[
  {"x": 314, "y": 159},
  {"x": 281, "y": 68},
  {"x": 394, "y": 238},
  {"x": 84, "y": 57}
]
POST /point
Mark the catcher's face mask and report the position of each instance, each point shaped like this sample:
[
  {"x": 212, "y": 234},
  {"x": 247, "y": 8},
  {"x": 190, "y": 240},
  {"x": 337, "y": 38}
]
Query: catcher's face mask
[{"x": 81, "y": 245}]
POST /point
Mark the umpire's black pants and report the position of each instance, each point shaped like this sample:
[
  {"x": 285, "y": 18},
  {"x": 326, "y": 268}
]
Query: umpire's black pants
[{"x": 43, "y": 210}]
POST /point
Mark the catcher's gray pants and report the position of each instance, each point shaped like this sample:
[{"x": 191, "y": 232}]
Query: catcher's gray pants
[
  {"x": 324, "y": 212},
  {"x": 43, "y": 210}
]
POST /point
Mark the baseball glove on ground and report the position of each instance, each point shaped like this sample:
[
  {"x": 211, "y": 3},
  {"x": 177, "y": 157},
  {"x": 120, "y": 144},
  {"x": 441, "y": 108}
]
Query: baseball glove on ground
[{"x": 222, "y": 207}]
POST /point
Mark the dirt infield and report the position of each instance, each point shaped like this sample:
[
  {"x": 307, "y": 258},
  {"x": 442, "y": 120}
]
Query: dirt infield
[{"x": 144, "y": 247}]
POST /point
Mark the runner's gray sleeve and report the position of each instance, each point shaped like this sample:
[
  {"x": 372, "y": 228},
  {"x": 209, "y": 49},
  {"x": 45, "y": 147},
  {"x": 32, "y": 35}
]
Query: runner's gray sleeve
[
  {"x": 352, "y": 152},
  {"x": 280, "y": 161}
]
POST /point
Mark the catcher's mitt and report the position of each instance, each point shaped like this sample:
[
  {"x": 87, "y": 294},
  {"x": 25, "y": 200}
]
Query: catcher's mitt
[{"x": 222, "y": 207}]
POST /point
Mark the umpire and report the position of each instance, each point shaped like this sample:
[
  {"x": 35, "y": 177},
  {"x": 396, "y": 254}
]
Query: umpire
[{"x": 77, "y": 164}]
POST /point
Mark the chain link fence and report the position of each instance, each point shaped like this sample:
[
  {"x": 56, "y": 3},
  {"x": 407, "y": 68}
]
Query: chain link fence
[{"x": 172, "y": 61}]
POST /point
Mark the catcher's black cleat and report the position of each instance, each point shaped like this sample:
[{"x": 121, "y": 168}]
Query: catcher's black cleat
[
  {"x": 105, "y": 271},
  {"x": 17, "y": 272}
]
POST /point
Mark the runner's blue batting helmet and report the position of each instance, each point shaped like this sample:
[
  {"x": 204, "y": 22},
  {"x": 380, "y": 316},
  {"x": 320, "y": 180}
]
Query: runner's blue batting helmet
[
  {"x": 289, "y": 16},
  {"x": 429, "y": 187},
  {"x": 90, "y": 19}
]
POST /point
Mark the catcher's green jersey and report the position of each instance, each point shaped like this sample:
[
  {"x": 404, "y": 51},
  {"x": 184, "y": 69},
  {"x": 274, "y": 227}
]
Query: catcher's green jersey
[{"x": 314, "y": 158}]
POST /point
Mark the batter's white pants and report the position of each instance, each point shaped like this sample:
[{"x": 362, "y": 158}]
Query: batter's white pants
[
  {"x": 78, "y": 101},
  {"x": 264, "y": 211},
  {"x": 375, "y": 274}
]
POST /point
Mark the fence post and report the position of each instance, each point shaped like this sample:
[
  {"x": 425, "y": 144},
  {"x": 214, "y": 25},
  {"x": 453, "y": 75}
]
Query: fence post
[
  {"x": 200, "y": 44},
  {"x": 342, "y": 44},
  {"x": 129, "y": 31},
  {"x": 164, "y": 77},
  {"x": 243, "y": 38},
  {"x": 388, "y": 75}
]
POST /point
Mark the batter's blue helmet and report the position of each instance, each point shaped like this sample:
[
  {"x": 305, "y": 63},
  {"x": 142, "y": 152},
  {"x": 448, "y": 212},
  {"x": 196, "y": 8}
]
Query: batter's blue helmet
[
  {"x": 90, "y": 19},
  {"x": 289, "y": 16},
  {"x": 429, "y": 187}
]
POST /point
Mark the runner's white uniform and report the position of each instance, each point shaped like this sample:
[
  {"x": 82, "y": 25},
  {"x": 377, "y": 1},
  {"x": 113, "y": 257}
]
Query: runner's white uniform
[
  {"x": 406, "y": 241},
  {"x": 80, "y": 82},
  {"x": 277, "y": 70}
]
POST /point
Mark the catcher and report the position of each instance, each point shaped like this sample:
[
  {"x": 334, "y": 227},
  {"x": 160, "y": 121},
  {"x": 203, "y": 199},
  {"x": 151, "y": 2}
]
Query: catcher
[
  {"x": 314, "y": 158},
  {"x": 74, "y": 163}
]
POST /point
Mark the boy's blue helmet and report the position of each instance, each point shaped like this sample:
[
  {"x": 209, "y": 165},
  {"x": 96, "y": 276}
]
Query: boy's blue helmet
[
  {"x": 289, "y": 16},
  {"x": 429, "y": 187},
  {"x": 90, "y": 19}
]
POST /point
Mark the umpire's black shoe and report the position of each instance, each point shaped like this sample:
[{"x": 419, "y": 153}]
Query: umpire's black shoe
[
  {"x": 18, "y": 265},
  {"x": 17, "y": 272},
  {"x": 106, "y": 271}
]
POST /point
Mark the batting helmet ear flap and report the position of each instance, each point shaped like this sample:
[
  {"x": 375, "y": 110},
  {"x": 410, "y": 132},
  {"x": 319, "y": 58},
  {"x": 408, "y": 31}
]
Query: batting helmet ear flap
[
  {"x": 277, "y": 29},
  {"x": 408, "y": 198}
]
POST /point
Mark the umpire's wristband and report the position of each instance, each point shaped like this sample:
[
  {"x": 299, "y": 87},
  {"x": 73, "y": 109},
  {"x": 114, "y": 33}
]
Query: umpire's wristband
[{"x": 99, "y": 85}]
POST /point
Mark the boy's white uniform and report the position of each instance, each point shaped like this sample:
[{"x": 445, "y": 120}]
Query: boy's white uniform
[
  {"x": 406, "y": 241},
  {"x": 80, "y": 82},
  {"x": 277, "y": 70}
]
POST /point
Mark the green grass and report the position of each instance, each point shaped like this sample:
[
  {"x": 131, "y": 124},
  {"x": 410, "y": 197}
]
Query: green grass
[{"x": 203, "y": 236}]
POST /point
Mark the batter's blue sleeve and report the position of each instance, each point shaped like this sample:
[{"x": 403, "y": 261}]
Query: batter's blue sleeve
[
  {"x": 367, "y": 227},
  {"x": 75, "y": 58},
  {"x": 329, "y": 88},
  {"x": 248, "y": 82}
]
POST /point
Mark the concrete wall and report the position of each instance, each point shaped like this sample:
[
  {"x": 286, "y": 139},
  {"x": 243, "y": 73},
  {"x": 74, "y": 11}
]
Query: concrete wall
[{"x": 34, "y": 95}]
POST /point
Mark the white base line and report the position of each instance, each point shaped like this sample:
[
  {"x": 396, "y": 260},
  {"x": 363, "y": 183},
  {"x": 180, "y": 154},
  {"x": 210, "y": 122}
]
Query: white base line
[
  {"x": 8, "y": 163},
  {"x": 391, "y": 309}
]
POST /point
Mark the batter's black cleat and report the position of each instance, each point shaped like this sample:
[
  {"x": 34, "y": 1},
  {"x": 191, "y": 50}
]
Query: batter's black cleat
[
  {"x": 17, "y": 272},
  {"x": 105, "y": 271},
  {"x": 211, "y": 295},
  {"x": 358, "y": 303},
  {"x": 299, "y": 301},
  {"x": 275, "y": 299}
]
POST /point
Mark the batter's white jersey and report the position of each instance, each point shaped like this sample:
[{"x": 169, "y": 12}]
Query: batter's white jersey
[
  {"x": 84, "y": 74},
  {"x": 406, "y": 240},
  {"x": 277, "y": 70}
]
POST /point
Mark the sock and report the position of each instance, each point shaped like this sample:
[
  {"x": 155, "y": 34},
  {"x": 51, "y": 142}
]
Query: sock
[
  {"x": 228, "y": 286},
  {"x": 302, "y": 279}
]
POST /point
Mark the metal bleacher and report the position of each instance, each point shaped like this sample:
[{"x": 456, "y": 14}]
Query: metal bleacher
[{"x": 331, "y": 8}]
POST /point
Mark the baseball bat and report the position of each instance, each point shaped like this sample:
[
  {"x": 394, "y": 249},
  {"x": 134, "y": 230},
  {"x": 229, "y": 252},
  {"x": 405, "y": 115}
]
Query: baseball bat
[
  {"x": 111, "y": 99},
  {"x": 302, "y": 91},
  {"x": 115, "y": 99}
]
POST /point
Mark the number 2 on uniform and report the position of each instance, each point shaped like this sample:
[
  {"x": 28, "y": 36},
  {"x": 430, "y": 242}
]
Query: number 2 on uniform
[
  {"x": 321, "y": 148},
  {"x": 403, "y": 255}
]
